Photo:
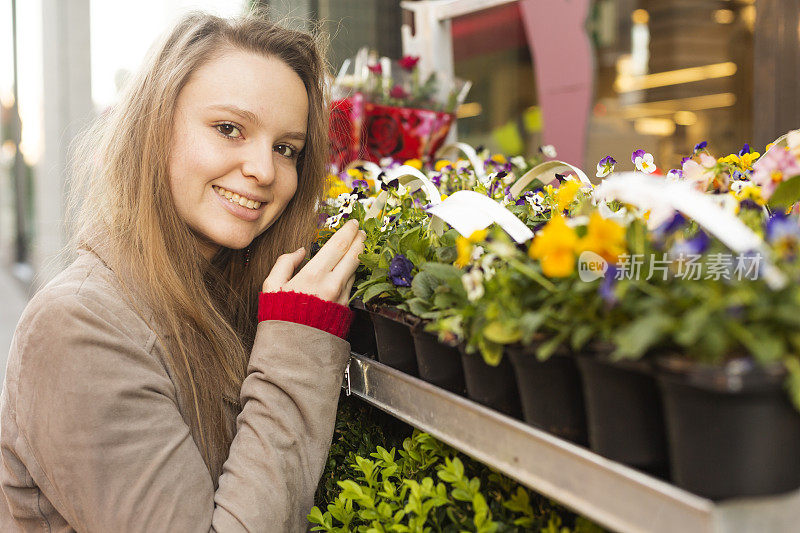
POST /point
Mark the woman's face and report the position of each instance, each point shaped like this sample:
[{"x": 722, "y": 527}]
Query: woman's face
[{"x": 240, "y": 124}]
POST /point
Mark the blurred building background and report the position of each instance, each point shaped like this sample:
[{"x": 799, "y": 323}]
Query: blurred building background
[{"x": 666, "y": 75}]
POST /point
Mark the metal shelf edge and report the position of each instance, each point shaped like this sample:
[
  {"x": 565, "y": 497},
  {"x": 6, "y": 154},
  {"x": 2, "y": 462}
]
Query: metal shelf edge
[{"x": 616, "y": 496}]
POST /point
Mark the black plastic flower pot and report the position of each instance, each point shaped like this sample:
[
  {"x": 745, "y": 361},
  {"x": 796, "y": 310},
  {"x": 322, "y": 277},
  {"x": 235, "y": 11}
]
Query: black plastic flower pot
[
  {"x": 731, "y": 428},
  {"x": 394, "y": 342},
  {"x": 551, "y": 393},
  {"x": 438, "y": 363},
  {"x": 362, "y": 331},
  {"x": 623, "y": 412},
  {"x": 492, "y": 386}
]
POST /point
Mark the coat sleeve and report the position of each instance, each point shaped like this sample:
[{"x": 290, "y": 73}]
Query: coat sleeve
[{"x": 110, "y": 450}]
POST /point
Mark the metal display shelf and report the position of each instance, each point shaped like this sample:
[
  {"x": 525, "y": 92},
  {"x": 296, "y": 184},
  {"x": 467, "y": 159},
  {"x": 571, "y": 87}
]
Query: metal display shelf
[{"x": 611, "y": 494}]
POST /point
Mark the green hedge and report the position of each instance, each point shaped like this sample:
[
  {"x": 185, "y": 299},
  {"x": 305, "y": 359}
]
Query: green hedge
[{"x": 382, "y": 475}]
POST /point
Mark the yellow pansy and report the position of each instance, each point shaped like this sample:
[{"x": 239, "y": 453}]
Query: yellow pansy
[
  {"x": 499, "y": 158},
  {"x": 744, "y": 162},
  {"x": 440, "y": 164},
  {"x": 554, "y": 247},
  {"x": 416, "y": 163},
  {"x": 336, "y": 187},
  {"x": 355, "y": 173},
  {"x": 750, "y": 192},
  {"x": 604, "y": 237},
  {"x": 464, "y": 247},
  {"x": 565, "y": 194}
]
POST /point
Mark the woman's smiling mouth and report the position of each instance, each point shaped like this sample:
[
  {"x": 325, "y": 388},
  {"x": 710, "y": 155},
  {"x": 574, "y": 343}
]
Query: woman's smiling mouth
[{"x": 239, "y": 206}]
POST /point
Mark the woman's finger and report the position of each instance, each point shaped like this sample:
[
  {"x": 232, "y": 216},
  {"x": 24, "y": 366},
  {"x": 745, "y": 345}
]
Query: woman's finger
[
  {"x": 349, "y": 262},
  {"x": 283, "y": 270},
  {"x": 333, "y": 250},
  {"x": 344, "y": 298}
]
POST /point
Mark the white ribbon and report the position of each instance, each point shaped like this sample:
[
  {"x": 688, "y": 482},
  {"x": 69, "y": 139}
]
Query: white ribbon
[
  {"x": 469, "y": 211},
  {"x": 472, "y": 156},
  {"x": 410, "y": 178},
  {"x": 663, "y": 198},
  {"x": 546, "y": 173}
]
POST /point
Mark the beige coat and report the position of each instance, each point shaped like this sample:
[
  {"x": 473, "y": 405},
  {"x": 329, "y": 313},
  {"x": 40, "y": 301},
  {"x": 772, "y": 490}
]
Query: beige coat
[{"x": 93, "y": 436}]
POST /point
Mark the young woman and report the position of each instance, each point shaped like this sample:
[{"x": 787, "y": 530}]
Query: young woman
[{"x": 151, "y": 386}]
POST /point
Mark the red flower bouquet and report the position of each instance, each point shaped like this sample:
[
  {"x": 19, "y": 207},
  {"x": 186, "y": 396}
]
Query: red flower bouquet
[{"x": 384, "y": 110}]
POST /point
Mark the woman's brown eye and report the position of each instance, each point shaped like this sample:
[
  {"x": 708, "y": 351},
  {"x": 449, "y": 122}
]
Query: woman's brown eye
[
  {"x": 285, "y": 150},
  {"x": 228, "y": 130}
]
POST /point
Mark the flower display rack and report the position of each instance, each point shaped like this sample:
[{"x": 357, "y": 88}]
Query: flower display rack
[{"x": 616, "y": 496}]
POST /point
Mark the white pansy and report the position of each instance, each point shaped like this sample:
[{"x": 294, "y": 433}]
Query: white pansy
[
  {"x": 644, "y": 163},
  {"x": 486, "y": 265},
  {"x": 477, "y": 252},
  {"x": 509, "y": 178},
  {"x": 519, "y": 161},
  {"x": 536, "y": 201},
  {"x": 333, "y": 221},
  {"x": 473, "y": 284},
  {"x": 549, "y": 150}
]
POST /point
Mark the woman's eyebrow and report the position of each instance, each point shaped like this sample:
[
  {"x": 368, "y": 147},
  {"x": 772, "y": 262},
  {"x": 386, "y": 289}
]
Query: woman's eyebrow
[
  {"x": 253, "y": 118},
  {"x": 242, "y": 113}
]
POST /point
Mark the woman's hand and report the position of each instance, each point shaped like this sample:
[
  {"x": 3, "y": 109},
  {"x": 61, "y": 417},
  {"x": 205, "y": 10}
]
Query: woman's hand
[{"x": 329, "y": 275}]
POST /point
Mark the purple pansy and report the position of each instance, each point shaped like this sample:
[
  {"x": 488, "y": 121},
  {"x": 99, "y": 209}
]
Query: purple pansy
[
  {"x": 675, "y": 174},
  {"x": 605, "y": 166},
  {"x": 780, "y": 227},
  {"x": 606, "y": 289},
  {"x": 745, "y": 150},
  {"x": 699, "y": 146},
  {"x": 400, "y": 271}
]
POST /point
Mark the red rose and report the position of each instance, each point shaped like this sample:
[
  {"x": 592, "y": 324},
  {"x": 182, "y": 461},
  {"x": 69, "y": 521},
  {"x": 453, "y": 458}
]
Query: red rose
[
  {"x": 384, "y": 137},
  {"x": 398, "y": 92},
  {"x": 375, "y": 69},
  {"x": 409, "y": 62}
]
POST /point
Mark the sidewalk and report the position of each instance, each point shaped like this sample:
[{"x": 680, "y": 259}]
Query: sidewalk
[{"x": 12, "y": 301}]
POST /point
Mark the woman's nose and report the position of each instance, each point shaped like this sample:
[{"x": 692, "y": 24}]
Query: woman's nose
[{"x": 260, "y": 164}]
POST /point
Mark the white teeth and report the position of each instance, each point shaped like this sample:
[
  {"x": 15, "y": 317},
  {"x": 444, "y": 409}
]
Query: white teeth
[{"x": 235, "y": 198}]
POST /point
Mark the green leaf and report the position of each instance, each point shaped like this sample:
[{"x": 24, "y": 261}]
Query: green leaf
[
  {"x": 786, "y": 194},
  {"x": 692, "y": 326},
  {"x": 442, "y": 272},
  {"x": 446, "y": 254},
  {"x": 501, "y": 332},
  {"x": 423, "y": 285},
  {"x": 793, "y": 380},
  {"x": 529, "y": 324},
  {"x": 581, "y": 335},
  {"x": 376, "y": 290},
  {"x": 548, "y": 348},
  {"x": 634, "y": 339},
  {"x": 492, "y": 352}
]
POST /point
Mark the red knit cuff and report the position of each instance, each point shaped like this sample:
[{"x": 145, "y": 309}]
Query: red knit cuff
[{"x": 305, "y": 309}]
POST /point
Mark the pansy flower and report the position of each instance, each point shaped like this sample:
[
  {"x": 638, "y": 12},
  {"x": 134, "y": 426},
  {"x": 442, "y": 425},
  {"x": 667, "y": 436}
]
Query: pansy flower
[
  {"x": 554, "y": 247},
  {"x": 700, "y": 146},
  {"x": 777, "y": 165},
  {"x": 400, "y": 271},
  {"x": 643, "y": 161},
  {"x": 605, "y": 166},
  {"x": 548, "y": 150},
  {"x": 473, "y": 284},
  {"x": 675, "y": 174}
]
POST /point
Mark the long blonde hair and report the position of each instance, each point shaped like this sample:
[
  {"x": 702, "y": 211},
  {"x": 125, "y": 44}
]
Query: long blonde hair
[{"x": 204, "y": 312}]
